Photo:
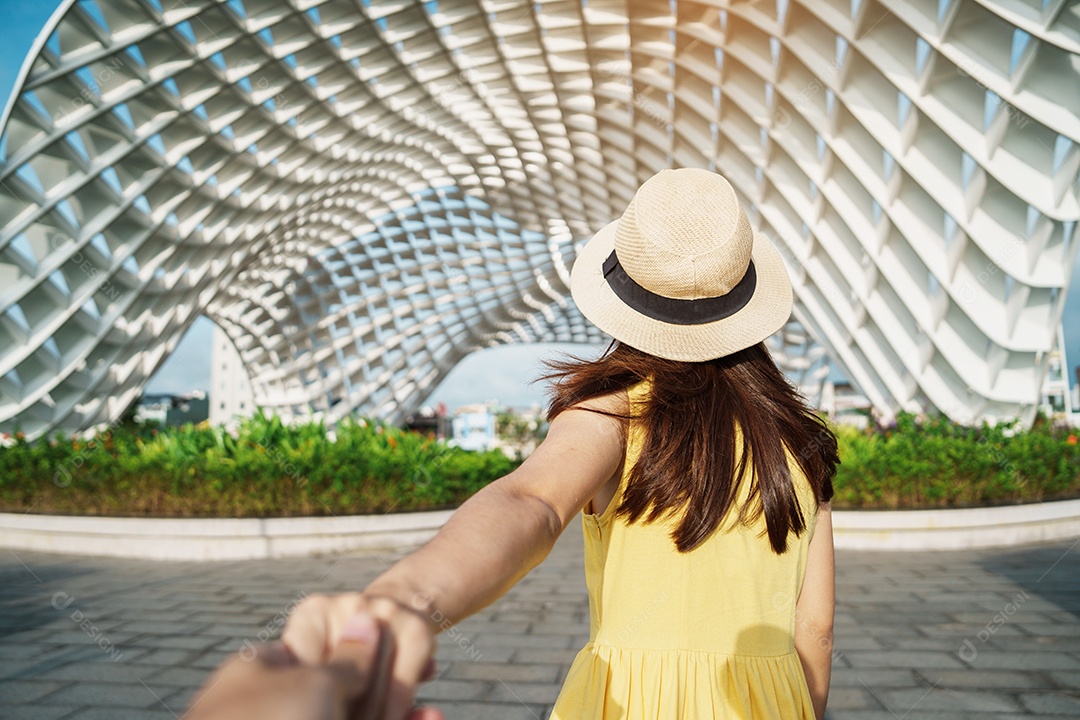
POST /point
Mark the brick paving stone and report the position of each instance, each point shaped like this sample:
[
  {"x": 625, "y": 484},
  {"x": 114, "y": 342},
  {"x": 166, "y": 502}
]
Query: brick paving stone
[
  {"x": 179, "y": 701},
  {"x": 901, "y": 622},
  {"x": 444, "y": 689},
  {"x": 921, "y": 715},
  {"x": 37, "y": 712},
  {"x": 919, "y": 700},
  {"x": 495, "y": 711},
  {"x": 844, "y": 642},
  {"x": 27, "y": 651},
  {"x": 1059, "y": 703},
  {"x": 209, "y": 660},
  {"x": 1005, "y": 660},
  {"x": 97, "y": 672},
  {"x": 163, "y": 627},
  {"x": 449, "y": 652},
  {"x": 990, "y": 679},
  {"x": 190, "y": 643},
  {"x": 963, "y": 630},
  {"x": 98, "y": 713},
  {"x": 903, "y": 658},
  {"x": 551, "y": 628},
  {"x": 503, "y": 672},
  {"x": 882, "y": 628},
  {"x": 1051, "y": 628},
  {"x": 21, "y": 692},
  {"x": 168, "y": 656},
  {"x": 96, "y": 694},
  {"x": 1065, "y": 678},
  {"x": 1038, "y": 643},
  {"x": 878, "y": 678},
  {"x": 506, "y": 630},
  {"x": 190, "y": 677},
  {"x": 850, "y": 698},
  {"x": 526, "y": 655},
  {"x": 523, "y": 692},
  {"x": 517, "y": 640},
  {"x": 945, "y": 644}
]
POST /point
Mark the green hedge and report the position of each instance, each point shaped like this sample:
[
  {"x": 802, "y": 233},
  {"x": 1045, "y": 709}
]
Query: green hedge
[
  {"x": 270, "y": 469},
  {"x": 267, "y": 469},
  {"x": 933, "y": 462}
]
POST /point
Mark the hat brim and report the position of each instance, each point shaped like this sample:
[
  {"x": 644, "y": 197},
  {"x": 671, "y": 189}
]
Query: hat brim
[{"x": 769, "y": 307}]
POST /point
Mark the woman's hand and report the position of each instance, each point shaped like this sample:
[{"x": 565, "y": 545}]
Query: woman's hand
[
  {"x": 274, "y": 684},
  {"x": 322, "y": 627}
]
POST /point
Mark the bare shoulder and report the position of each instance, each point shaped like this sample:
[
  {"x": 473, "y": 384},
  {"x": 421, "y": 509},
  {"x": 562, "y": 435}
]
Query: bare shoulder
[
  {"x": 616, "y": 403},
  {"x": 599, "y": 420},
  {"x": 605, "y": 413},
  {"x": 583, "y": 449}
]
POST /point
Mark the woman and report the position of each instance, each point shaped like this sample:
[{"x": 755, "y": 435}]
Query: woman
[{"x": 702, "y": 478}]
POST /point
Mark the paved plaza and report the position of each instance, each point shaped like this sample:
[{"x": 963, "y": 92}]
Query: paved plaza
[{"x": 976, "y": 634}]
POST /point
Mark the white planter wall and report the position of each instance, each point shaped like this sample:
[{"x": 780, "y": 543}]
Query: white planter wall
[{"x": 213, "y": 539}]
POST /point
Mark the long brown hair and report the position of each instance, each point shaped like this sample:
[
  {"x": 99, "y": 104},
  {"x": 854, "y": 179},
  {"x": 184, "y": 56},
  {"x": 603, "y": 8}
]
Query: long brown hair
[{"x": 689, "y": 438}]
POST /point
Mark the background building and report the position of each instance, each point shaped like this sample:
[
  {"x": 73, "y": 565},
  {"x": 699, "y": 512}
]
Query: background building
[
  {"x": 474, "y": 428},
  {"x": 231, "y": 397},
  {"x": 173, "y": 410},
  {"x": 1057, "y": 402},
  {"x": 360, "y": 194}
]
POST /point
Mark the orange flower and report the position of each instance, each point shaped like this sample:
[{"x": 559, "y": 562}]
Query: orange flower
[
  {"x": 391, "y": 442},
  {"x": 1072, "y": 440}
]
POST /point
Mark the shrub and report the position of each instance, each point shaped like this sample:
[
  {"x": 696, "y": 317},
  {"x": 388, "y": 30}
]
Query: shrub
[
  {"x": 934, "y": 462},
  {"x": 266, "y": 469}
]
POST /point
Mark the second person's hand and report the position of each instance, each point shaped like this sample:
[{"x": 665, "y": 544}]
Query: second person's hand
[{"x": 320, "y": 623}]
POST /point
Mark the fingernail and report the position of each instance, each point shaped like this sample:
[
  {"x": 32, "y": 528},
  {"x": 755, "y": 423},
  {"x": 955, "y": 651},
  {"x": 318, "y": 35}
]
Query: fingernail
[{"x": 360, "y": 628}]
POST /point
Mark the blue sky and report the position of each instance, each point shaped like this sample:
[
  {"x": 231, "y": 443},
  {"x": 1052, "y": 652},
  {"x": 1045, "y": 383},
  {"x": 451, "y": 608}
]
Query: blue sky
[{"x": 502, "y": 373}]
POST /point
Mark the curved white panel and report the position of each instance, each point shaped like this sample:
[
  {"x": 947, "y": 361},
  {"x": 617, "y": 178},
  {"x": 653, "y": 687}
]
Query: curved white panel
[{"x": 361, "y": 193}]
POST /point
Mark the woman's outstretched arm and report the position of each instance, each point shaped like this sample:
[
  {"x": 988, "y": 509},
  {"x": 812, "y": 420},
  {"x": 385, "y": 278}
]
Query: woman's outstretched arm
[
  {"x": 490, "y": 543},
  {"x": 814, "y": 612},
  {"x": 509, "y": 527}
]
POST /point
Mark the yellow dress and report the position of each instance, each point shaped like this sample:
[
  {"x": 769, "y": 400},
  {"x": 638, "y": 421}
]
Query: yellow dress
[{"x": 705, "y": 634}]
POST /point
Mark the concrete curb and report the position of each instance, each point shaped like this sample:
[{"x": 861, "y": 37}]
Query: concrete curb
[
  {"x": 248, "y": 538},
  {"x": 214, "y": 538},
  {"x": 956, "y": 529}
]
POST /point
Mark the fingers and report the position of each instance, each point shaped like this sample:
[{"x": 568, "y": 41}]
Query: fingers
[
  {"x": 367, "y": 651},
  {"x": 319, "y": 631},
  {"x": 413, "y": 649},
  {"x": 312, "y": 630},
  {"x": 305, "y": 632}
]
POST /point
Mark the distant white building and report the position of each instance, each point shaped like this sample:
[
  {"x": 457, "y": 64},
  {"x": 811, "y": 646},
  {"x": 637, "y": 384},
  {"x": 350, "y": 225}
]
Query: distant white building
[
  {"x": 1057, "y": 398},
  {"x": 474, "y": 428},
  {"x": 231, "y": 397},
  {"x": 173, "y": 410}
]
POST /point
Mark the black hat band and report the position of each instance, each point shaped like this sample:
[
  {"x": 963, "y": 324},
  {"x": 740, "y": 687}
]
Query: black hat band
[{"x": 674, "y": 310}]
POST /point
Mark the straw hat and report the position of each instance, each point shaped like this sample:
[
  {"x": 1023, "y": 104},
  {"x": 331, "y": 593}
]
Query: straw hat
[{"x": 682, "y": 274}]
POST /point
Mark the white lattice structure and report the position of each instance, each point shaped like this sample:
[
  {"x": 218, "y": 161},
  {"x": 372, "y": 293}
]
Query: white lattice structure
[{"x": 360, "y": 193}]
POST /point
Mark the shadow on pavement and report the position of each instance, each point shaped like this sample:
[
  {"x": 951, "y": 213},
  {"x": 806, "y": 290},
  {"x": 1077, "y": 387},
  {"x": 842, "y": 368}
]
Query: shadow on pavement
[{"x": 1051, "y": 572}]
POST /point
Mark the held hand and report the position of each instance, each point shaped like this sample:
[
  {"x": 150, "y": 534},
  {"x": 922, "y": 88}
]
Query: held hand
[
  {"x": 275, "y": 685},
  {"x": 323, "y": 627}
]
